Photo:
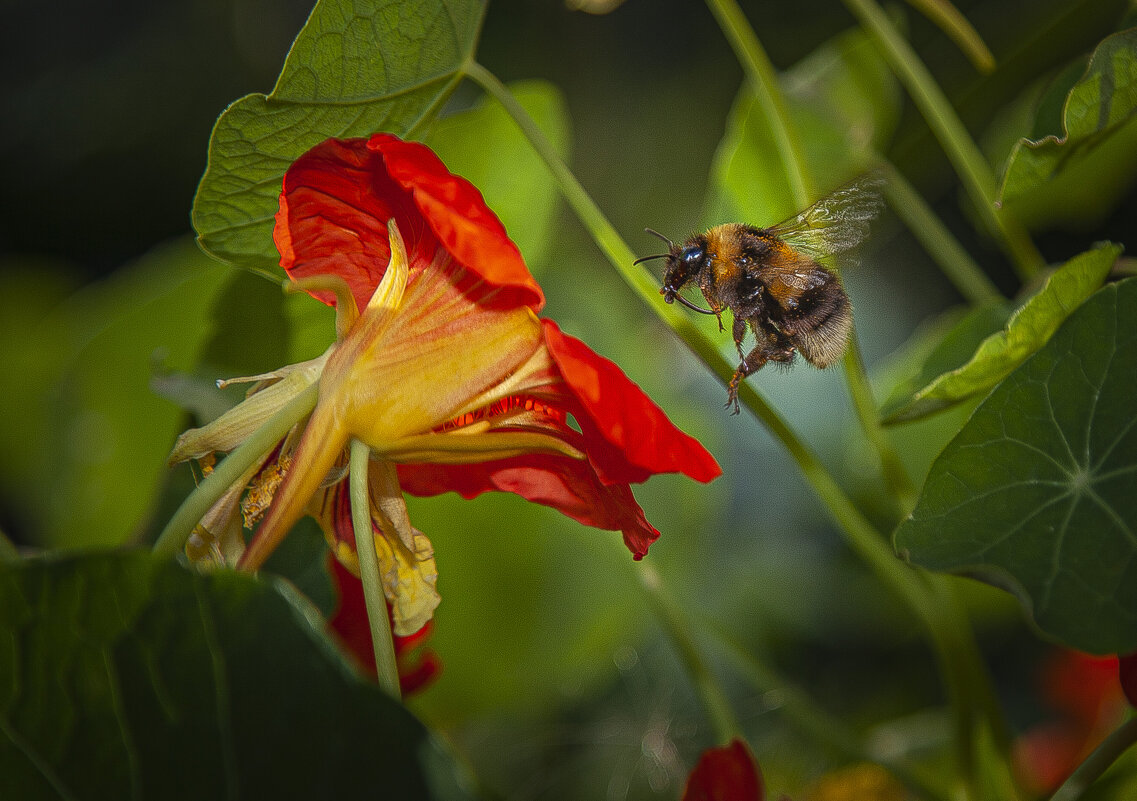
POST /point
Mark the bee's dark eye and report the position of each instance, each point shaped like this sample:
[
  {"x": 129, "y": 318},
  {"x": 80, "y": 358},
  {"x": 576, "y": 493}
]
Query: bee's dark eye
[{"x": 691, "y": 254}]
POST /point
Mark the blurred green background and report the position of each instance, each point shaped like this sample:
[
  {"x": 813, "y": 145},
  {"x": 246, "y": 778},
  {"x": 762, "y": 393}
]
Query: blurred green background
[{"x": 556, "y": 682}]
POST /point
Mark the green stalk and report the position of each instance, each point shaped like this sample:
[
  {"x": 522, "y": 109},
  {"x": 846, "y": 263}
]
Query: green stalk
[
  {"x": 386, "y": 667},
  {"x": 951, "y": 257},
  {"x": 1117, "y": 743},
  {"x": 764, "y": 81},
  {"x": 961, "y": 149},
  {"x": 944, "y": 623},
  {"x": 949, "y": 20},
  {"x": 901, "y": 489},
  {"x": 715, "y": 702},
  {"x": 173, "y": 538}
]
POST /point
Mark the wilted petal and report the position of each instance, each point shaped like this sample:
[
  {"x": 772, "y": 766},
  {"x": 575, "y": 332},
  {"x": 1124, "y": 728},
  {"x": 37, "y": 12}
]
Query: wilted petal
[
  {"x": 234, "y": 427},
  {"x": 406, "y": 557}
]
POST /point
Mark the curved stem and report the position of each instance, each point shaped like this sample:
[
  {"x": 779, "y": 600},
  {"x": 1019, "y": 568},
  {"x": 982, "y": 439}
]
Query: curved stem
[
  {"x": 764, "y": 81},
  {"x": 901, "y": 489},
  {"x": 386, "y": 667},
  {"x": 943, "y": 248},
  {"x": 1118, "y": 742},
  {"x": 961, "y": 149},
  {"x": 260, "y": 442},
  {"x": 678, "y": 626}
]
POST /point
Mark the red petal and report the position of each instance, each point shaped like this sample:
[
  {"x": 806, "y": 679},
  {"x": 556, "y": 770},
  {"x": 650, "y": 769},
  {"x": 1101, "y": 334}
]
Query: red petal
[
  {"x": 458, "y": 215},
  {"x": 570, "y": 486},
  {"x": 333, "y": 216},
  {"x": 337, "y": 199},
  {"x": 628, "y": 437},
  {"x": 725, "y": 774}
]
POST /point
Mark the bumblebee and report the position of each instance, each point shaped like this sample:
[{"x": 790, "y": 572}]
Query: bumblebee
[{"x": 772, "y": 281}]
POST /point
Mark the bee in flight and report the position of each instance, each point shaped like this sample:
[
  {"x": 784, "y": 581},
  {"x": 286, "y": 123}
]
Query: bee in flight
[{"x": 772, "y": 281}]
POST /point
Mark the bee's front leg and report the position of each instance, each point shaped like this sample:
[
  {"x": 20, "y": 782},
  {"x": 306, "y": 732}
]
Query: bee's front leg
[{"x": 770, "y": 347}]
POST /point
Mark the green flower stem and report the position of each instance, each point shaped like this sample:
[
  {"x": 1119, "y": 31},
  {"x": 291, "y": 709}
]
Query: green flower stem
[
  {"x": 953, "y": 260},
  {"x": 949, "y": 20},
  {"x": 944, "y": 623},
  {"x": 896, "y": 478},
  {"x": 375, "y": 599},
  {"x": 173, "y": 538},
  {"x": 961, "y": 149},
  {"x": 764, "y": 81},
  {"x": 1118, "y": 742},
  {"x": 715, "y": 702}
]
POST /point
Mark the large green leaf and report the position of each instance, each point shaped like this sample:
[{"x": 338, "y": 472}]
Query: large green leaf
[
  {"x": 1038, "y": 492},
  {"x": 1075, "y": 177},
  {"x": 1026, "y": 331},
  {"x": 125, "y": 676},
  {"x": 357, "y": 66}
]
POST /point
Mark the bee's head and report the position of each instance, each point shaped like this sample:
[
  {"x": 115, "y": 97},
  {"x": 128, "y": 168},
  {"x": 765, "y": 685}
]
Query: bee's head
[{"x": 684, "y": 262}]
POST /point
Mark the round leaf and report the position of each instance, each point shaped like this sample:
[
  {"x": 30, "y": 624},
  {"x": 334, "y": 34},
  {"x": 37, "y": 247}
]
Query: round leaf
[{"x": 1038, "y": 492}]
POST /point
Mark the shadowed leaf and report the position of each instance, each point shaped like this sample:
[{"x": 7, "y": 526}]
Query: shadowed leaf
[{"x": 1038, "y": 492}]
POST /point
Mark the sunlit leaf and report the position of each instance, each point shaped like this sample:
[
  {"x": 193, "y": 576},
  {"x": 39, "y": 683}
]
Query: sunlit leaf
[
  {"x": 1038, "y": 492},
  {"x": 131, "y": 677},
  {"x": 844, "y": 104},
  {"x": 1074, "y": 177},
  {"x": 955, "y": 344},
  {"x": 355, "y": 68},
  {"x": 485, "y": 146},
  {"x": 1026, "y": 331}
]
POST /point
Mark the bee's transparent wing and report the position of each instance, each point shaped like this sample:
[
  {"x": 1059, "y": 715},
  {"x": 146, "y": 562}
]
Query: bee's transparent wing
[{"x": 838, "y": 222}]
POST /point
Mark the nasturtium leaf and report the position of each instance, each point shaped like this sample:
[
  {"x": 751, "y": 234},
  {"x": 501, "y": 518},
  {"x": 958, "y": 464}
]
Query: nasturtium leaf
[
  {"x": 357, "y": 66},
  {"x": 484, "y": 145},
  {"x": 1038, "y": 492},
  {"x": 955, "y": 345},
  {"x": 1074, "y": 177},
  {"x": 843, "y": 103},
  {"x": 1028, "y": 329},
  {"x": 126, "y": 676}
]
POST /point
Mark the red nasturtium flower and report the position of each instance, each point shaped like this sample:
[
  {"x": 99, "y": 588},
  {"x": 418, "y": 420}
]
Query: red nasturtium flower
[
  {"x": 440, "y": 366},
  {"x": 1084, "y": 692},
  {"x": 728, "y": 773}
]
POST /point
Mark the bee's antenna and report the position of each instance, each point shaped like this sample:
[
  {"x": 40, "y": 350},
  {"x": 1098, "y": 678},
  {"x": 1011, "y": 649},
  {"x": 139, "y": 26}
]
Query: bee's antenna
[
  {"x": 692, "y": 306},
  {"x": 656, "y": 233},
  {"x": 649, "y": 258}
]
